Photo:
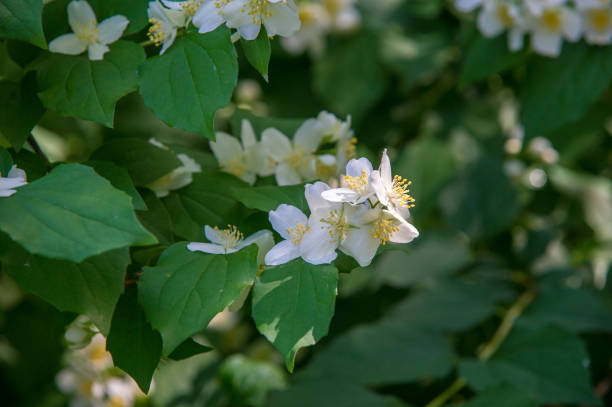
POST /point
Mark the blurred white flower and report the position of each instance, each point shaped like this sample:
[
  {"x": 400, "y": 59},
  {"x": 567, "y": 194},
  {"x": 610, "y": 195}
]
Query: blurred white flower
[
  {"x": 14, "y": 179},
  {"x": 343, "y": 14},
  {"x": 597, "y": 25},
  {"x": 550, "y": 25},
  {"x": 313, "y": 30},
  {"x": 584, "y": 4},
  {"x": 177, "y": 178},
  {"x": 87, "y": 33},
  {"x": 468, "y": 5},
  {"x": 231, "y": 240},
  {"x": 499, "y": 15}
]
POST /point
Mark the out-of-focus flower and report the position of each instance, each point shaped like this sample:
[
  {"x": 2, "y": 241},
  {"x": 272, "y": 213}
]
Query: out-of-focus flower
[
  {"x": 14, "y": 179},
  {"x": 550, "y": 26},
  {"x": 177, "y": 178},
  {"x": 499, "y": 15},
  {"x": 597, "y": 24},
  {"x": 87, "y": 33}
]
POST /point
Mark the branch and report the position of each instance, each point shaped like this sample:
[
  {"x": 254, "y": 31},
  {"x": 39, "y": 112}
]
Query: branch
[{"x": 32, "y": 142}]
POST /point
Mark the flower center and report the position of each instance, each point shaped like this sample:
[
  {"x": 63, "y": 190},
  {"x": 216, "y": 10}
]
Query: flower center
[
  {"x": 359, "y": 183},
  {"x": 350, "y": 148},
  {"x": 336, "y": 225},
  {"x": 297, "y": 233},
  {"x": 333, "y": 6},
  {"x": 88, "y": 32},
  {"x": 235, "y": 166},
  {"x": 306, "y": 14},
  {"x": 259, "y": 10},
  {"x": 551, "y": 20},
  {"x": 504, "y": 15},
  {"x": 600, "y": 19},
  {"x": 156, "y": 32},
  {"x": 230, "y": 237},
  {"x": 383, "y": 229},
  {"x": 191, "y": 7},
  {"x": 298, "y": 157},
  {"x": 400, "y": 192},
  {"x": 323, "y": 170}
]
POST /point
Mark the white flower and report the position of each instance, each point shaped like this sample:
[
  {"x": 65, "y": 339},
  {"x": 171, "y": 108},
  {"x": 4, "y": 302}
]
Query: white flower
[
  {"x": 315, "y": 24},
  {"x": 597, "y": 24},
  {"x": 393, "y": 192},
  {"x": 468, "y": 5},
  {"x": 244, "y": 160},
  {"x": 357, "y": 187},
  {"x": 177, "y": 178},
  {"x": 294, "y": 159},
  {"x": 88, "y": 34},
  {"x": 280, "y": 17},
  {"x": 291, "y": 224},
  {"x": 231, "y": 240},
  {"x": 550, "y": 26},
  {"x": 537, "y": 6},
  {"x": 343, "y": 14},
  {"x": 165, "y": 22},
  {"x": 121, "y": 392},
  {"x": 14, "y": 179},
  {"x": 585, "y": 4},
  {"x": 499, "y": 15}
]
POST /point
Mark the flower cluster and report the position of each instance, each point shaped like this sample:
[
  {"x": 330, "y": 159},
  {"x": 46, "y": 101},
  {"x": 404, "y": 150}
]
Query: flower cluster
[
  {"x": 548, "y": 22},
  {"x": 319, "y": 19},
  {"x": 320, "y": 149},
  {"x": 370, "y": 209},
  {"x": 14, "y": 179},
  {"x": 166, "y": 18}
]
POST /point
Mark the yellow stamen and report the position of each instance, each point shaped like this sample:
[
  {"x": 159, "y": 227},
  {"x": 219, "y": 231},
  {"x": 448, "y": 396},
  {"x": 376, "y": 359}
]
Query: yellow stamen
[
  {"x": 155, "y": 33},
  {"x": 235, "y": 166},
  {"x": 357, "y": 184},
  {"x": 383, "y": 229},
  {"x": 323, "y": 170},
  {"x": 190, "y": 7},
  {"x": 400, "y": 192},
  {"x": 88, "y": 32},
  {"x": 552, "y": 20},
  {"x": 336, "y": 225},
  {"x": 350, "y": 148},
  {"x": 259, "y": 10},
  {"x": 504, "y": 15},
  {"x": 298, "y": 157},
  {"x": 230, "y": 236},
  {"x": 600, "y": 19},
  {"x": 297, "y": 233}
]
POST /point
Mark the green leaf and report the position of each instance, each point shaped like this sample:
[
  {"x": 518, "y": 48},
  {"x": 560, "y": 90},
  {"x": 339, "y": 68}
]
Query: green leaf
[
  {"x": 22, "y": 20},
  {"x": 482, "y": 201},
  {"x": 206, "y": 201},
  {"x": 6, "y": 162},
  {"x": 186, "y": 289},
  {"x": 144, "y": 162},
  {"x": 120, "y": 179},
  {"x": 20, "y": 109},
  {"x": 349, "y": 77},
  {"x": 134, "y": 10},
  {"x": 421, "y": 260},
  {"x": 293, "y": 305},
  {"x": 76, "y": 86},
  {"x": 488, "y": 56},
  {"x": 135, "y": 346},
  {"x": 327, "y": 393},
  {"x": 91, "y": 287},
  {"x": 185, "y": 86},
  {"x": 156, "y": 218},
  {"x": 531, "y": 360},
  {"x": 383, "y": 353},
  {"x": 72, "y": 213},
  {"x": 258, "y": 52},
  {"x": 267, "y": 198},
  {"x": 585, "y": 73},
  {"x": 502, "y": 396},
  {"x": 31, "y": 163},
  {"x": 429, "y": 164},
  {"x": 188, "y": 349}
]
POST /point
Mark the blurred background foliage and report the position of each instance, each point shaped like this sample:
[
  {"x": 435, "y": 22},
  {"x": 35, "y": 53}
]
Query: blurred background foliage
[{"x": 510, "y": 156}]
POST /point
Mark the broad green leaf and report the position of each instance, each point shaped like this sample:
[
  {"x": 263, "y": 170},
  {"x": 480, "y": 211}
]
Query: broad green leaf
[
  {"x": 488, "y": 56},
  {"x": 206, "y": 201},
  {"x": 577, "y": 309},
  {"x": 293, "y": 305},
  {"x": 549, "y": 363},
  {"x": 421, "y": 260},
  {"x": 134, "y": 10},
  {"x": 6, "y": 162},
  {"x": 156, "y": 218},
  {"x": 383, "y": 353},
  {"x": 349, "y": 77},
  {"x": 185, "y": 86},
  {"x": 482, "y": 201},
  {"x": 76, "y": 86},
  {"x": 144, "y": 162},
  {"x": 185, "y": 290},
  {"x": 545, "y": 104},
  {"x": 429, "y": 164},
  {"x": 502, "y": 396},
  {"x": 22, "y": 20},
  {"x": 135, "y": 346},
  {"x": 188, "y": 349},
  {"x": 91, "y": 287},
  {"x": 258, "y": 52},
  {"x": 120, "y": 179},
  {"x": 267, "y": 198},
  {"x": 72, "y": 213},
  {"x": 328, "y": 393},
  {"x": 20, "y": 109},
  {"x": 31, "y": 163}
]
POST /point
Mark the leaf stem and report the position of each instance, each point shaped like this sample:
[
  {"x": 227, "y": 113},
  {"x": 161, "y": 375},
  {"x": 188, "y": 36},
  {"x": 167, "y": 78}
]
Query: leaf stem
[
  {"x": 490, "y": 347},
  {"x": 147, "y": 43},
  {"x": 32, "y": 142}
]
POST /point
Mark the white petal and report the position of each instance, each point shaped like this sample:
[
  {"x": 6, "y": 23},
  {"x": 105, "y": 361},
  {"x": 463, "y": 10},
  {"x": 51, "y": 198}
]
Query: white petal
[
  {"x": 286, "y": 217},
  {"x": 68, "y": 44},
  {"x": 467, "y": 5},
  {"x": 309, "y": 135},
  {"x": 6, "y": 192},
  {"x": 189, "y": 163},
  {"x": 285, "y": 174},
  {"x": 209, "y": 248},
  {"x": 360, "y": 245},
  {"x": 112, "y": 29},
  {"x": 80, "y": 13},
  {"x": 207, "y": 18},
  {"x": 355, "y": 167},
  {"x": 515, "y": 39},
  {"x": 225, "y": 147},
  {"x": 379, "y": 188},
  {"x": 282, "y": 253},
  {"x": 572, "y": 24},
  {"x": 275, "y": 144},
  {"x": 10, "y": 183},
  {"x": 212, "y": 235},
  {"x": 249, "y": 31},
  {"x": 546, "y": 43},
  {"x": 340, "y": 195},
  {"x": 385, "y": 169},
  {"x": 247, "y": 134},
  {"x": 168, "y": 41},
  {"x": 317, "y": 247},
  {"x": 96, "y": 51},
  {"x": 264, "y": 241},
  {"x": 405, "y": 234},
  {"x": 16, "y": 173},
  {"x": 315, "y": 201},
  {"x": 284, "y": 21},
  {"x": 488, "y": 23},
  {"x": 236, "y": 13}
]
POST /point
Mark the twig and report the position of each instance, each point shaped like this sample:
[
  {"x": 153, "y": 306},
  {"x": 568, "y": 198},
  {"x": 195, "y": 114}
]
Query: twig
[{"x": 32, "y": 142}]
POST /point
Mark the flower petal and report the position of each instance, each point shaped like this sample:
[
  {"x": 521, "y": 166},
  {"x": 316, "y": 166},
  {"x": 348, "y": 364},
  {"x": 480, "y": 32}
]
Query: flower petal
[
  {"x": 247, "y": 134},
  {"x": 68, "y": 44},
  {"x": 317, "y": 247},
  {"x": 286, "y": 217},
  {"x": 16, "y": 173},
  {"x": 488, "y": 22},
  {"x": 80, "y": 13},
  {"x": 355, "y": 167},
  {"x": 96, "y": 51},
  {"x": 360, "y": 245},
  {"x": 282, "y": 253},
  {"x": 209, "y": 248},
  {"x": 405, "y": 234},
  {"x": 467, "y": 5},
  {"x": 264, "y": 241},
  {"x": 249, "y": 31},
  {"x": 316, "y": 202},
  {"x": 379, "y": 188},
  {"x": 284, "y": 21},
  {"x": 340, "y": 195},
  {"x": 546, "y": 43},
  {"x": 212, "y": 235},
  {"x": 309, "y": 135},
  {"x": 207, "y": 18},
  {"x": 226, "y": 147},
  {"x": 285, "y": 174},
  {"x": 275, "y": 144},
  {"x": 112, "y": 29},
  {"x": 572, "y": 24},
  {"x": 385, "y": 169}
]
